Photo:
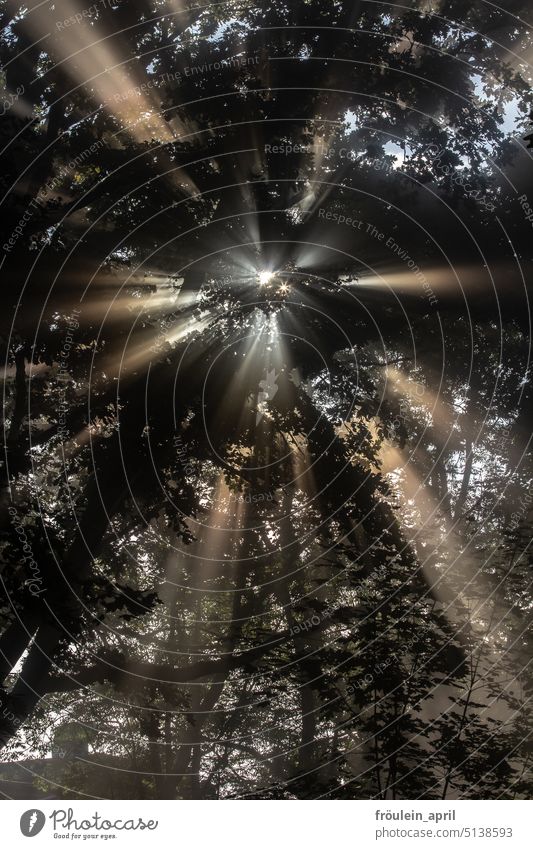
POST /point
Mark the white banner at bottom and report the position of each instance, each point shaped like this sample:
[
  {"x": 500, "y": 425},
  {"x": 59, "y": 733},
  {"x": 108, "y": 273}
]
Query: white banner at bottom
[{"x": 267, "y": 824}]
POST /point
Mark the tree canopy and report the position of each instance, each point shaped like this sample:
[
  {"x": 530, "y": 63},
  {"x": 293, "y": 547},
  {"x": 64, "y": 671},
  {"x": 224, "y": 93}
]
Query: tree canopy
[{"x": 266, "y": 511}]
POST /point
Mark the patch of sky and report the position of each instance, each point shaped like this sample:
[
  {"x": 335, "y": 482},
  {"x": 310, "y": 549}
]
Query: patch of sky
[
  {"x": 350, "y": 120},
  {"x": 508, "y": 103},
  {"x": 393, "y": 149}
]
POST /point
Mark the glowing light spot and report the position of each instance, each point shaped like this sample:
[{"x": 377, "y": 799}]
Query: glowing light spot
[{"x": 265, "y": 277}]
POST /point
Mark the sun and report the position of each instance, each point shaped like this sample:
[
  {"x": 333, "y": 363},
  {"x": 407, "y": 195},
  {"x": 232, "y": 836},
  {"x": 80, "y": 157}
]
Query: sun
[{"x": 265, "y": 277}]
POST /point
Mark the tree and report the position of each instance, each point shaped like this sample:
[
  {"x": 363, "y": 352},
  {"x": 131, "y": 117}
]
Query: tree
[{"x": 253, "y": 489}]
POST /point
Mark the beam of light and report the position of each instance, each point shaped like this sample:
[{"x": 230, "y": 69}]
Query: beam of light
[
  {"x": 317, "y": 254},
  {"x": 302, "y": 470},
  {"x": 91, "y": 59},
  {"x": 477, "y": 280},
  {"x": 422, "y": 516},
  {"x": 319, "y": 144},
  {"x": 120, "y": 276},
  {"x": 437, "y": 415},
  {"x": 219, "y": 531},
  {"x": 110, "y": 307},
  {"x": 96, "y": 62},
  {"x": 140, "y": 354},
  {"x": 430, "y": 532},
  {"x": 424, "y": 524},
  {"x": 216, "y": 530},
  {"x": 259, "y": 354}
]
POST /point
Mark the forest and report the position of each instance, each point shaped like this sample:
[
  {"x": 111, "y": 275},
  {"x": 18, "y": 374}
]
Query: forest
[{"x": 266, "y": 477}]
